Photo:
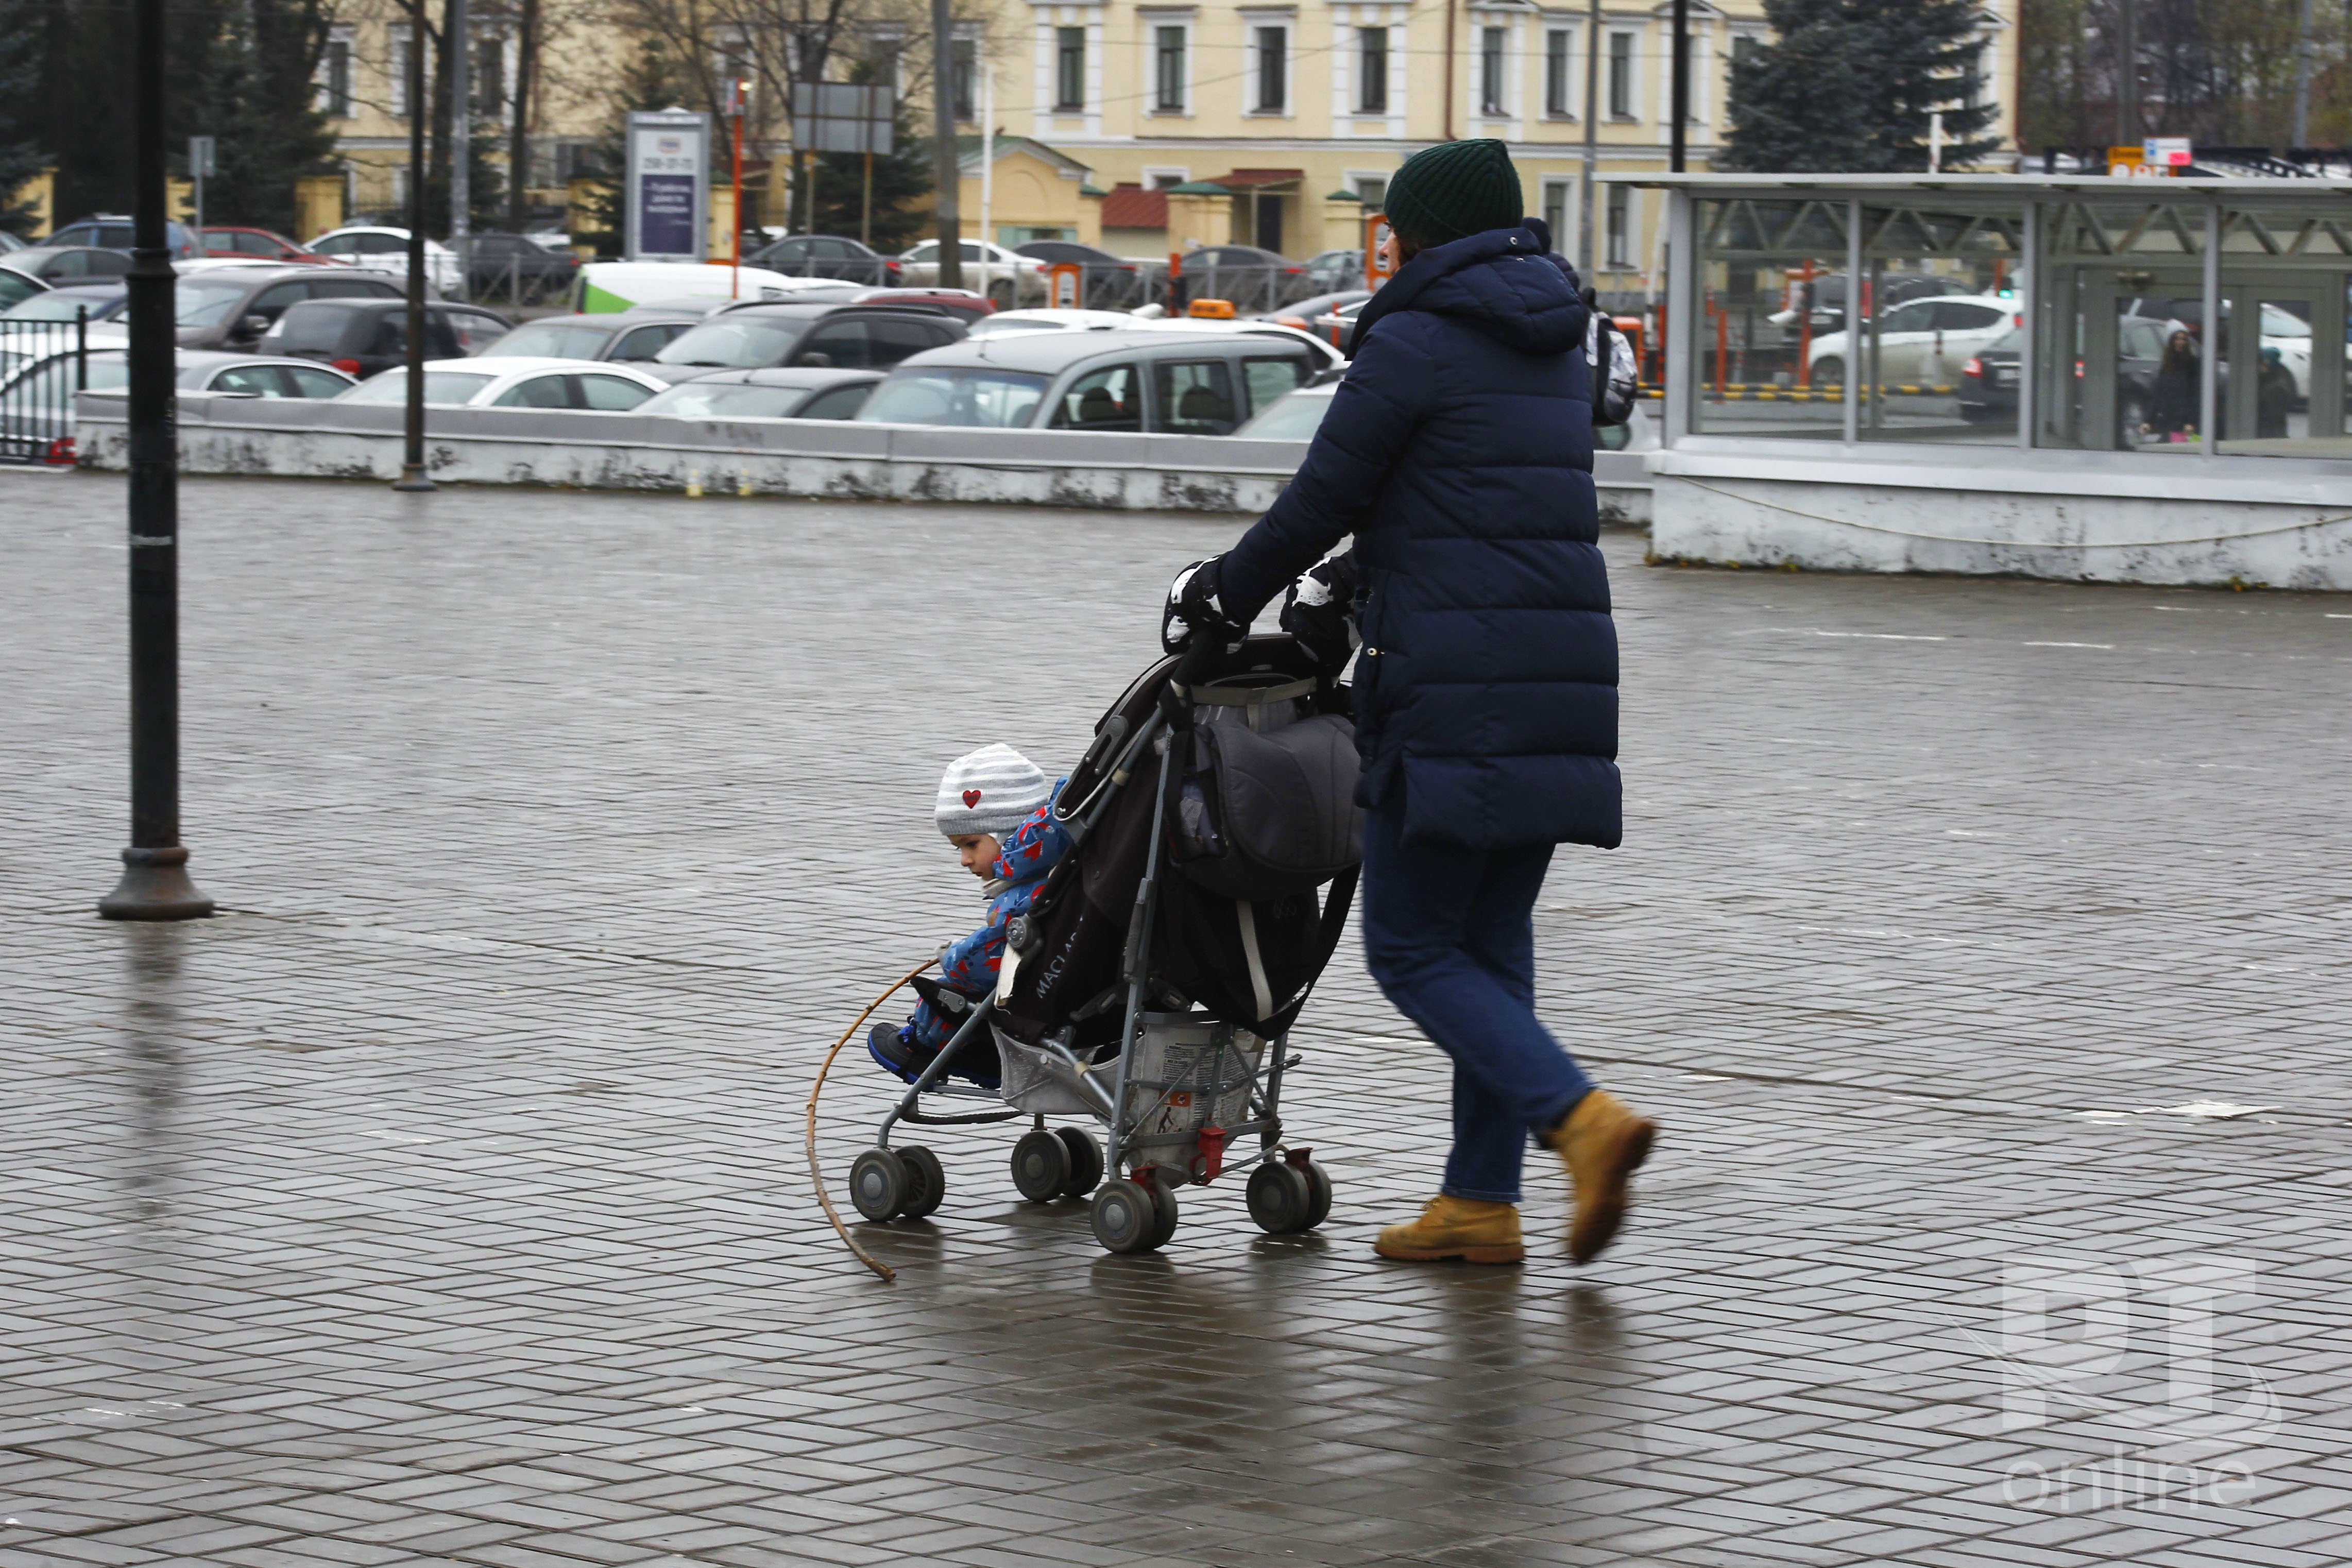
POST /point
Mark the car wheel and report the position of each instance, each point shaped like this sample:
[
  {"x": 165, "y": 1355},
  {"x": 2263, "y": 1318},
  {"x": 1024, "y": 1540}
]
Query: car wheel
[{"x": 1829, "y": 371}]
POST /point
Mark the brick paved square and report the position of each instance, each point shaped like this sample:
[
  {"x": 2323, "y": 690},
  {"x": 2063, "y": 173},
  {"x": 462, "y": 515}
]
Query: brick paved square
[{"x": 443, "y": 1200}]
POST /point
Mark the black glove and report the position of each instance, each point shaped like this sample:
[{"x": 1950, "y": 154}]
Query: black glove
[
  {"x": 1193, "y": 610},
  {"x": 1319, "y": 610}
]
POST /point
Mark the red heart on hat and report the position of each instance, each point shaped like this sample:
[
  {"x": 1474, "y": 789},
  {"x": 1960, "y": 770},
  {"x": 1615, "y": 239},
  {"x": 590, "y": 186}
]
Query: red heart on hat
[{"x": 971, "y": 798}]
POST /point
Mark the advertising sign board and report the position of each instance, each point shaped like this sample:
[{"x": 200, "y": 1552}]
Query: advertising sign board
[{"x": 667, "y": 185}]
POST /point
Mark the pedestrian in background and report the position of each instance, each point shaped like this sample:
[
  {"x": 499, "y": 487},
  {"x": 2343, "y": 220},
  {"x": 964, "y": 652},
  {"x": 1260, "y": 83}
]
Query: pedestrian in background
[{"x": 1458, "y": 452}]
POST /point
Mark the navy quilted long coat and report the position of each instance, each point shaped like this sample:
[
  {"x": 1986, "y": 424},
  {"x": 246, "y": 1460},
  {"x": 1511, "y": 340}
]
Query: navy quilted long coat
[{"x": 1459, "y": 453}]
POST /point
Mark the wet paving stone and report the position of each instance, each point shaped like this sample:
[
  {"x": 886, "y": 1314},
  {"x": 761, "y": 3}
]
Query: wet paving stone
[{"x": 443, "y": 1200}]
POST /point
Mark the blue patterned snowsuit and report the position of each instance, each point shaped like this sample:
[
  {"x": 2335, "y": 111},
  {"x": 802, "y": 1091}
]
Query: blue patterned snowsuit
[{"x": 1036, "y": 848}]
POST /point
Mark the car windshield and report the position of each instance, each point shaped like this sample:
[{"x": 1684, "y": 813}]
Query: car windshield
[
  {"x": 730, "y": 400},
  {"x": 206, "y": 302},
  {"x": 552, "y": 339},
  {"x": 1000, "y": 399},
  {"x": 1295, "y": 416},
  {"x": 744, "y": 344},
  {"x": 448, "y": 386},
  {"x": 57, "y": 306},
  {"x": 2009, "y": 342}
]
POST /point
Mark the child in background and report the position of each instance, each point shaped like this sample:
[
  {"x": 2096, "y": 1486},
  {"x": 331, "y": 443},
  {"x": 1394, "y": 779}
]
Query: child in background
[{"x": 996, "y": 808}]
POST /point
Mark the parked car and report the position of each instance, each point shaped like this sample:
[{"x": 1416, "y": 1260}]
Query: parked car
[
  {"x": 234, "y": 306},
  {"x": 584, "y": 384},
  {"x": 92, "y": 301},
  {"x": 1294, "y": 416},
  {"x": 1006, "y": 277},
  {"x": 9, "y": 242},
  {"x": 1204, "y": 384},
  {"x": 1913, "y": 335},
  {"x": 113, "y": 231},
  {"x": 800, "y": 392},
  {"x": 1254, "y": 280},
  {"x": 1006, "y": 322},
  {"x": 964, "y": 304},
  {"x": 15, "y": 286},
  {"x": 386, "y": 251},
  {"x": 844, "y": 337},
  {"x": 2282, "y": 328},
  {"x": 1988, "y": 382},
  {"x": 1335, "y": 271},
  {"x": 363, "y": 338},
  {"x": 257, "y": 245},
  {"x": 1826, "y": 296},
  {"x": 1106, "y": 282},
  {"x": 629, "y": 335},
  {"x": 606, "y": 287},
  {"x": 69, "y": 263},
  {"x": 1330, "y": 317},
  {"x": 37, "y": 403},
  {"x": 827, "y": 256},
  {"x": 517, "y": 264}
]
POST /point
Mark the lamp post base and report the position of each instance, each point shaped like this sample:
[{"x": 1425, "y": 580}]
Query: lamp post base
[
  {"x": 412, "y": 479},
  {"x": 155, "y": 887}
]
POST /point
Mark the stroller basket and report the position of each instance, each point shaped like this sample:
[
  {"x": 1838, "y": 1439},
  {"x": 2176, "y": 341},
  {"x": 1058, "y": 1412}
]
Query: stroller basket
[
  {"x": 1038, "y": 1081},
  {"x": 1189, "y": 1071}
]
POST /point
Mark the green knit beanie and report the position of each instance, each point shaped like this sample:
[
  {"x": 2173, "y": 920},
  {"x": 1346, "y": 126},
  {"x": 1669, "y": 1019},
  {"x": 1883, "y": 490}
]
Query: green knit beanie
[{"x": 1452, "y": 189}]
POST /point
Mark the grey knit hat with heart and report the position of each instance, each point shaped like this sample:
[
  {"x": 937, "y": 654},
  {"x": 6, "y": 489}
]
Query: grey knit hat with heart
[{"x": 992, "y": 789}]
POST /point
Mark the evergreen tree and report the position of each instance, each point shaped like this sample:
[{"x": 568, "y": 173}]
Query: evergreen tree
[
  {"x": 23, "y": 153},
  {"x": 650, "y": 79},
  {"x": 1846, "y": 86},
  {"x": 259, "y": 105},
  {"x": 902, "y": 191}
]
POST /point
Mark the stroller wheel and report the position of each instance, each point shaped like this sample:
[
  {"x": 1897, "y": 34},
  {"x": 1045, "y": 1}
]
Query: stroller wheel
[
  {"x": 1085, "y": 1162},
  {"x": 926, "y": 1183},
  {"x": 1126, "y": 1216},
  {"x": 1163, "y": 1207},
  {"x": 1319, "y": 1182},
  {"x": 1041, "y": 1167},
  {"x": 878, "y": 1184},
  {"x": 1280, "y": 1198}
]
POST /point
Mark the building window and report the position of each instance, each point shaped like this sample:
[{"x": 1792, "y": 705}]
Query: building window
[
  {"x": 487, "y": 56},
  {"x": 1372, "y": 190},
  {"x": 335, "y": 79},
  {"x": 1620, "y": 235},
  {"x": 1168, "y": 60},
  {"x": 1555, "y": 212},
  {"x": 1621, "y": 76},
  {"x": 400, "y": 45},
  {"x": 966, "y": 58},
  {"x": 1559, "y": 48},
  {"x": 1273, "y": 70},
  {"x": 1069, "y": 67},
  {"x": 1490, "y": 71},
  {"x": 1371, "y": 70}
]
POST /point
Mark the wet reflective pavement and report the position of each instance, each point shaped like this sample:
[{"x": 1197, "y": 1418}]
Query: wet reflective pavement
[{"x": 1981, "y": 946}]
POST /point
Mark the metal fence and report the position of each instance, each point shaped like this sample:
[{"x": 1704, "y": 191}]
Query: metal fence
[
  {"x": 42, "y": 365},
  {"x": 507, "y": 272}
]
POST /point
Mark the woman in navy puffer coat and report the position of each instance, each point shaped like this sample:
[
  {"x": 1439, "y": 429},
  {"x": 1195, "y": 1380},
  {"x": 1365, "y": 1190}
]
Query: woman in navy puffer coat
[{"x": 1458, "y": 452}]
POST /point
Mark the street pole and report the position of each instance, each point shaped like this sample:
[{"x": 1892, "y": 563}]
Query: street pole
[
  {"x": 412, "y": 465},
  {"x": 519, "y": 143},
  {"x": 1592, "y": 147},
  {"x": 200, "y": 163},
  {"x": 1680, "y": 107},
  {"x": 988, "y": 172},
  {"x": 741, "y": 91},
  {"x": 461, "y": 127},
  {"x": 155, "y": 885},
  {"x": 947, "y": 166}
]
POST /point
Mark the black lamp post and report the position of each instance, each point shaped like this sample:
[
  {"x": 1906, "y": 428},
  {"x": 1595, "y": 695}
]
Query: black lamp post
[
  {"x": 1677, "y": 141},
  {"x": 412, "y": 465},
  {"x": 155, "y": 884}
]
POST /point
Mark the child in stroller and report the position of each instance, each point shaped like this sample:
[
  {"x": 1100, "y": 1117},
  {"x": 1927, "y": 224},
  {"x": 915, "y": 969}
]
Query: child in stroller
[{"x": 994, "y": 809}]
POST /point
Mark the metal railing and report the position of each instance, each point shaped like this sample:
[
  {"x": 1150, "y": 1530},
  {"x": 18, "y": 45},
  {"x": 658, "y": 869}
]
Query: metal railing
[
  {"x": 42, "y": 365},
  {"x": 500, "y": 275}
]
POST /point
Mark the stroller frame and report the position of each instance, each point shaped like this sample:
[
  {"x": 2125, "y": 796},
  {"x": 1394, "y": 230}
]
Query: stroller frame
[{"x": 1134, "y": 1211}]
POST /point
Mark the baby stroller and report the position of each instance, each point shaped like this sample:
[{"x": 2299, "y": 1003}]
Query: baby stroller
[{"x": 1151, "y": 984}]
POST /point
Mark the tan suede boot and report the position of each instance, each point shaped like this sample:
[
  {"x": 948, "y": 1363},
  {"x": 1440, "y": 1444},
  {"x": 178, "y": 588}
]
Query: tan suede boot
[
  {"x": 1603, "y": 1143},
  {"x": 1450, "y": 1228}
]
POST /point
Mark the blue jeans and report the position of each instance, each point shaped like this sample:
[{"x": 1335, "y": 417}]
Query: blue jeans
[{"x": 1449, "y": 934}]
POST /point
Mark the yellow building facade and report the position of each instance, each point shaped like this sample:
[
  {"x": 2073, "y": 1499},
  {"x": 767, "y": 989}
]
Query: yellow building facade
[{"x": 1293, "y": 111}]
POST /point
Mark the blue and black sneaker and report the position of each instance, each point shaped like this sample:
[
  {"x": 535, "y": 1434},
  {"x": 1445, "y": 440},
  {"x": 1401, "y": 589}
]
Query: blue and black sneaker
[{"x": 892, "y": 1046}]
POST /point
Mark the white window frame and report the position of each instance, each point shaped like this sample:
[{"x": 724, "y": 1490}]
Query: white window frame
[
  {"x": 1563, "y": 189},
  {"x": 1633, "y": 113},
  {"x": 1158, "y": 176},
  {"x": 1702, "y": 62},
  {"x": 1482, "y": 24},
  {"x": 1620, "y": 248},
  {"x": 347, "y": 39},
  {"x": 1287, "y": 22},
  {"x": 1152, "y": 21},
  {"x": 1572, "y": 65},
  {"x": 1355, "y": 179},
  {"x": 1356, "y": 84}
]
